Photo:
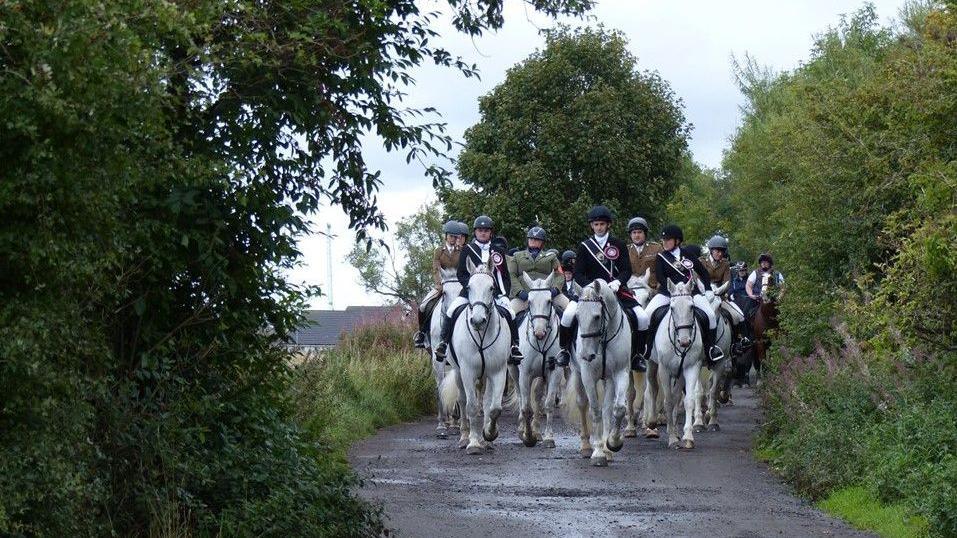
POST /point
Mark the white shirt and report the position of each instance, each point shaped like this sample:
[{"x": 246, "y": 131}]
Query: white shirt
[
  {"x": 676, "y": 253},
  {"x": 601, "y": 240},
  {"x": 639, "y": 248},
  {"x": 483, "y": 250},
  {"x": 753, "y": 277}
]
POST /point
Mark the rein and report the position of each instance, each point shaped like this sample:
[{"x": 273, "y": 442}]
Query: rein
[
  {"x": 534, "y": 342},
  {"x": 490, "y": 311},
  {"x": 673, "y": 335},
  {"x": 603, "y": 330}
]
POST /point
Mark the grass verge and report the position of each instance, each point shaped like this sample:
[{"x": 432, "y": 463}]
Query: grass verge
[{"x": 862, "y": 509}]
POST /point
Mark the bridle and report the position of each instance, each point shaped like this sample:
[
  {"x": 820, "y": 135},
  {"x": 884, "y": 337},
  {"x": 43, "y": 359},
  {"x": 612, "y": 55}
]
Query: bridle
[
  {"x": 534, "y": 342},
  {"x": 603, "y": 330},
  {"x": 673, "y": 335},
  {"x": 480, "y": 341}
]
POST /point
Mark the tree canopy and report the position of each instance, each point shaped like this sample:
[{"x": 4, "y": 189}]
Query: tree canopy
[{"x": 575, "y": 124}]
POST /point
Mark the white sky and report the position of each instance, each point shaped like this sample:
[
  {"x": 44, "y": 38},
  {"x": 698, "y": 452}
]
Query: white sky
[{"x": 689, "y": 43}]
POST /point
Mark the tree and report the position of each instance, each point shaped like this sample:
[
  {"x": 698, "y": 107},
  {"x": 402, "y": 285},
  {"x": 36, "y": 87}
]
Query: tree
[
  {"x": 404, "y": 273},
  {"x": 160, "y": 162},
  {"x": 573, "y": 125}
]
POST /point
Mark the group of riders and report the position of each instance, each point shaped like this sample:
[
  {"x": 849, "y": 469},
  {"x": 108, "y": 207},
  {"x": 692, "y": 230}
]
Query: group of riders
[{"x": 599, "y": 256}]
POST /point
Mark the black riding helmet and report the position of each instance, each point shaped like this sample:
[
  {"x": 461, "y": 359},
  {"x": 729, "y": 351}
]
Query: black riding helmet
[
  {"x": 599, "y": 213},
  {"x": 637, "y": 223},
  {"x": 672, "y": 231},
  {"x": 449, "y": 227},
  {"x": 568, "y": 255},
  {"x": 500, "y": 242},
  {"x": 482, "y": 222}
]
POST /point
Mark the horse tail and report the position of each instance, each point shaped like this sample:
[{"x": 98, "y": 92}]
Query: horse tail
[
  {"x": 570, "y": 399},
  {"x": 449, "y": 390},
  {"x": 510, "y": 396}
]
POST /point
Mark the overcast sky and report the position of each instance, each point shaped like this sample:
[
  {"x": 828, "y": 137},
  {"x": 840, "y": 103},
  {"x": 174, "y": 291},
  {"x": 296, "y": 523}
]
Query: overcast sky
[{"x": 691, "y": 44}]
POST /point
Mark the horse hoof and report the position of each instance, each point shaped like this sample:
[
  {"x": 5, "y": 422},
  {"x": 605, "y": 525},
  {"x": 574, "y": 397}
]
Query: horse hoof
[
  {"x": 530, "y": 440},
  {"x": 443, "y": 434},
  {"x": 687, "y": 444},
  {"x": 599, "y": 461},
  {"x": 673, "y": 443},
  {"x": 630, "y": 433},
  {"x": 612, "y": 447},
  {"x": 724, "y": 397},
  {"x": 490, "y": 435},
  {"x": 548, "y": 443},
  {"x": 714, "y": 427},
  {"x": 652, "y": 433},
  {"x": 586, "y": 452},
  {"x": 538, "y": 436},
  {"x": 697, "y": 428},
  {"x": 463, "y": 443},
  {"x": 454, "y": 430},
  {"x": 475, "y": 451}
]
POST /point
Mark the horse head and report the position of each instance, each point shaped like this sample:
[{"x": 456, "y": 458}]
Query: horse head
[
  {"x": 539, "y": 304},
  {"x": 714, "y": 296},
  {"x": 481, "y": 294},
  {"x": 639, "y": 287},
  {"x": 682, "y": 312},
  {"x": 591, "y": 318},
  {"x": 450, "y": 284}
]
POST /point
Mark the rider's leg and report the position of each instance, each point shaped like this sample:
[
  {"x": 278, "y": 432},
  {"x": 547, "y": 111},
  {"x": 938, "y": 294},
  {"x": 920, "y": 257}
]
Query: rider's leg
[
  {"x": 424, "y": 314},
  {"x": 503, "y": 304},
  {"x": 656, "y": 302},
  {"x": 447, "y": 326},
  {"x": 518, "y": 306},
  {"x": 565, "y": 331},
  {"x": 639, "y": 339},
  {"x": 714, "y": 352}
]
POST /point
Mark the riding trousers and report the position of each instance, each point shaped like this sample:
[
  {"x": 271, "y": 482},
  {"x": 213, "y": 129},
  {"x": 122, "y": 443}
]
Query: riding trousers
[
  {"x": 429, "y": 297},
  {"x": 700, "y": 302},
  {"x": 737, "y": 316},
  {"x": 517, "y": 305},
  {"x": 568, "y": 317}
]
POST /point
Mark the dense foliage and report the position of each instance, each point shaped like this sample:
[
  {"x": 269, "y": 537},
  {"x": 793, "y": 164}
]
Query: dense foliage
[
  {"x": 159, "y": 161},
  {"x": 573, "y": 125},
  {"x": 846, "y": 169}
]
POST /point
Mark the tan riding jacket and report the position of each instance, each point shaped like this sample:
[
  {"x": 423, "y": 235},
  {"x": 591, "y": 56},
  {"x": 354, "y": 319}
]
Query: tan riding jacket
[
  {"x": 719, "y": 272},
  {"x": 443, "y": 259},
  {"x": 544, "y": 266},
  {"x": 645, "y": 260}
]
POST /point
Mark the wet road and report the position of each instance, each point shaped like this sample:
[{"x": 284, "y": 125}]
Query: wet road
[{"x": 429, "y": 487}]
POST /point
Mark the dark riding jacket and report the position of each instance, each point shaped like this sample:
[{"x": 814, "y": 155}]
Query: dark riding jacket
[
  {"x": 610, "y": 263},
  {"x": 497, "y": 257},
  {"x": 669, "y": 268}
]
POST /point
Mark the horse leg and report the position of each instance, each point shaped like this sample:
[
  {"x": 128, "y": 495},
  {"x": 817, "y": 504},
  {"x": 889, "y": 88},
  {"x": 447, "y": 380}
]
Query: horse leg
[
  {"x": 619, "y": 387},
  {"x": 649, "y": 408},
  {"x": 691, "y": 378},
  {"x": 441, "y": 429},
  {"x": 584, "y": 433},
  {"x": 598, "y": 457},
  {"x": 551, "y": 404},
  {"x": 525, "y": 413},
  {"x": 699, "y": 395},
  {"x": 717, "y": 380},
  {"x": 494, "y": 388},
  {"x": 631, "y": 419},
  {"x": 670, "y": 406},
  {"x": 538, "y": 386},
  {"x": 470, "y": 419}
]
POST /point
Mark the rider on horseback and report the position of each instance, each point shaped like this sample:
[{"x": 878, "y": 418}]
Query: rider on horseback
[
  {"x": 679, "y": 264},
  {"x": 641, "y": 252},
  {"x": 481, "y": 250},
  {"x": 570, "y": 288},
  {"x": 600, "y": 256},
  {"x": 756, "y": 279},
  {"x": 445, "y": 257},
  {"x": 538, "y": 264},
  {"x": 719, "y": 269}
]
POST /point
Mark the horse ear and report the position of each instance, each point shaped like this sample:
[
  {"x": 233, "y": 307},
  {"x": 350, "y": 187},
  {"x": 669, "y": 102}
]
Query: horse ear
[
  {"x": 596, "y": 285},
  {"x": 671, "y": 286},
  {"x": 527, "y": 280},
  {"x": 469, "y": 265},
  {"x": 722, "y": 288}
]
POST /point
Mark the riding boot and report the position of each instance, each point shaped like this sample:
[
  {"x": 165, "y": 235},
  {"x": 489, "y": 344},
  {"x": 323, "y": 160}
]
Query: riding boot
[
  {"x": 565, "y": 343},
  {"x": 639, "y": 351},
  {"x": 446, "y": 337},
  {"x": 515, "y": 356},
  {"x": 418, "y": 339},
  {"x": 714, "y": 352}
]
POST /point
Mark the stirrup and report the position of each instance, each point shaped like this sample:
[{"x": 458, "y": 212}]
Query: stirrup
[
  {"x": 440, "y": 351},
  {"x": 715, "y": 354},
  {"x": 515, "y": 357},
  {"x": 562, "y": 359},
  {"x": 638, "y": 363}
]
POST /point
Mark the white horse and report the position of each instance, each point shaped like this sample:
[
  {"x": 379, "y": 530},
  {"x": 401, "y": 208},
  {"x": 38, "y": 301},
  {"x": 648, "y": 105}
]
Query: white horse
[
  {"x": 538, "y": 341},
  {"x": 711, "y": 380},
  {"x": 602, "y": 359},
  {"x": 678, "y": 353},
  {"x": 451, "y": 287},
  {"x": 636, "y": 384},
  {"x": 480, "y": 349}
]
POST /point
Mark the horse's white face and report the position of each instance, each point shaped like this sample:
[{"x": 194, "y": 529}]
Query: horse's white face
[
  {"x": 682, "y": 312},
  {"x": 481, "y": 298},
  {"x": 590, "y": 315},
  {"x": 450, "y": 283},
  {"x": 539, "y": 305}
]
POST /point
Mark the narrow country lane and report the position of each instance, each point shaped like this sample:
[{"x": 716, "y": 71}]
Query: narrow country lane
[{"x": 430, "y": 488}]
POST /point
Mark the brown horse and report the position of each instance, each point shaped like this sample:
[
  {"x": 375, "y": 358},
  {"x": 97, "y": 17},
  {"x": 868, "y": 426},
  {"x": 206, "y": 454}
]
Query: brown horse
[{"x": 765, "y": 318}]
